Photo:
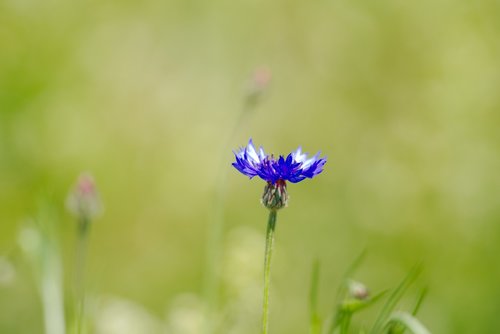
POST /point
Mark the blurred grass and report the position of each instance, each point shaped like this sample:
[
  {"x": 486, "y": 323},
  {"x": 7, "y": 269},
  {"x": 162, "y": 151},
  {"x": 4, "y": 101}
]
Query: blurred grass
[{"x": 402, "y": 97}]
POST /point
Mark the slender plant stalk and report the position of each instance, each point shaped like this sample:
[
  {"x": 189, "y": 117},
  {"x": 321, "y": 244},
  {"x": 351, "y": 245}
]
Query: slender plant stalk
[
  {"x": 338, "y": 316},
  {"x": 52, "y": 295},
  {"x": 51, "y": 285},
  {"x": 420, "y": 299},
  {"x": 394, "y": 299},
  {"x": 40, "y": 246},
  {"x": 81, "y": 254},
  {"x": 344, "y": 327},
  {"x": 216, "y": 232},
  {"x": 271, "y": 225}
]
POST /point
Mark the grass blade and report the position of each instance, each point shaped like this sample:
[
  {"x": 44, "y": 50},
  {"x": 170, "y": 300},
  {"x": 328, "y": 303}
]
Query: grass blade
[
  {"x": 394, "y": 299},
  {"x": 336, "y": 317},
  {"x": 409, "y": 322},
  {"x": 420, "y": 299}
]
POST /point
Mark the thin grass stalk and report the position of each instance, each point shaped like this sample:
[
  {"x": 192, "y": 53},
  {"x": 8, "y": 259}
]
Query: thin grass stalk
[
  {"x": 216, "y": 232},
  {"x": 52, "y": 295},
  {"x": 80, "y": 264},
  {"x": 394, "y": 299},
  {"x": 341, "y": 291}
]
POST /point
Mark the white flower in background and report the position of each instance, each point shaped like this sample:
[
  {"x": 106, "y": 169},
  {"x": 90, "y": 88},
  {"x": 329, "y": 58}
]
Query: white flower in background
[
  {"x": 242, "y": 275},
  {"x": 186, "y": 315},
  {"x": 7, "y": 272},
  {"x": 242, "y": 266},
  {"x": 29, "y": 240},
  {"x": 119, "y": 316}
]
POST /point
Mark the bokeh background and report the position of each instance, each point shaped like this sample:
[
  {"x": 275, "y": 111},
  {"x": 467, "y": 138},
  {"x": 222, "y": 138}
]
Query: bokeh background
[{"x": 403, "y": 98}]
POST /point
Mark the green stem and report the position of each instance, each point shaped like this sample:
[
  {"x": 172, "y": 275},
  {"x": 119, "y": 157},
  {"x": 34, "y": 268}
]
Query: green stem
[
  {"x": 81, "y": 254},
  {"x": 271, "y": 225},
  {"x": 344, "y": 327}
]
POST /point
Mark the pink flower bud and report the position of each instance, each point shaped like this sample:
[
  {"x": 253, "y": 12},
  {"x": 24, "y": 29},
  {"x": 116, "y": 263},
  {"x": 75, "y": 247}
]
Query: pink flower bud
[
  {"x": 84, "y": 201},
  {"x": 259, "y": 84}
]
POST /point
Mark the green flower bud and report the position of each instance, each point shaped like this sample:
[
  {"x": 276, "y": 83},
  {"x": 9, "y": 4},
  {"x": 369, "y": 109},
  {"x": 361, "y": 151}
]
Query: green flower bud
[{"x": 275, "y": 195}]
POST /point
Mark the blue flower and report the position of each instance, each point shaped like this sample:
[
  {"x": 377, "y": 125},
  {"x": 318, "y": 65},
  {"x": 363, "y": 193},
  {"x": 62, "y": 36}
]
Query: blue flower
[{"x": 295, "y": 167}]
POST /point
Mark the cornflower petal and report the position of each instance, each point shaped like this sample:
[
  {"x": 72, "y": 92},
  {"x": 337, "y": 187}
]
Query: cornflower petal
[{"x": 252, "y": 154}]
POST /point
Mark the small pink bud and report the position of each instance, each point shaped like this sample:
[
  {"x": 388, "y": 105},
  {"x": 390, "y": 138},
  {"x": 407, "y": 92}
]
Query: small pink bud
[
  {"x": 262, "y": 78},
  {"x": 259, "y": 84},
  {"x": 84, "y": 201}
]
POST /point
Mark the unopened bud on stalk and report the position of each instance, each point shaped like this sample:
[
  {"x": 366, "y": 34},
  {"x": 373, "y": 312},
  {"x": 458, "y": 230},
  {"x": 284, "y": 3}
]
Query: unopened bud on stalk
[
  {"x": 83, "y": 200},
  {"x": 275, "y": 195},
  {"x": 358, "y": 290},
  {"x": 259, "y": 84}
]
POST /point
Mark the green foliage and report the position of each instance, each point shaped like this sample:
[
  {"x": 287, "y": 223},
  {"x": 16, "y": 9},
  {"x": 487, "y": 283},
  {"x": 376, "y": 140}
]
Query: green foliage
[
  {"x": 355, "y": 297},
  {"x": 394, "y": 298},
  {"x": 399, "y": 321},
  {"x": 401, "y": 96}
]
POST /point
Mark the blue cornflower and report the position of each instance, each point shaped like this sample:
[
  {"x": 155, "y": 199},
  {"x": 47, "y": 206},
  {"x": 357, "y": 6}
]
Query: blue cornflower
[{"x": 295, "y": 167}]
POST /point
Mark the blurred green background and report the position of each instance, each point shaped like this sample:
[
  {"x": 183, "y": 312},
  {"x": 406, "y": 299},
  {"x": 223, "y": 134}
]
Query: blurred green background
[{"x": 403, "y": 98}]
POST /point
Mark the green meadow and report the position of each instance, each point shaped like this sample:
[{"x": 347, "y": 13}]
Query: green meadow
[{"x": 152, "y": 97}]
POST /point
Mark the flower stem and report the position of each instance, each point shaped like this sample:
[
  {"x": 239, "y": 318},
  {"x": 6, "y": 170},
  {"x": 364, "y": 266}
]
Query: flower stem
[
  {"x": 271, "y": 225},
  {"x": 81, "y": 253}
]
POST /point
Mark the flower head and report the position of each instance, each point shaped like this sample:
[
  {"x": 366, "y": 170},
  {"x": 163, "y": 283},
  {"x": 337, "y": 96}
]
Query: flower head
[
  {"x": 83, "y": 201},
  {"x": 295, "y": 167}
]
